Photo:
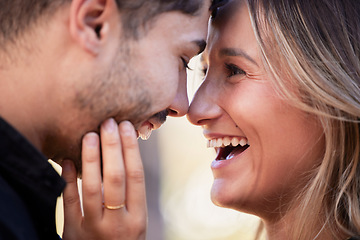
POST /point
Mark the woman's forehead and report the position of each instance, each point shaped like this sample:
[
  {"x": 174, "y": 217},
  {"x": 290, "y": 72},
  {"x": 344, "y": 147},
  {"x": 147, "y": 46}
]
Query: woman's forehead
[
  {"x": 228, "y": 12},
  {"x": 232, "y": 26}
]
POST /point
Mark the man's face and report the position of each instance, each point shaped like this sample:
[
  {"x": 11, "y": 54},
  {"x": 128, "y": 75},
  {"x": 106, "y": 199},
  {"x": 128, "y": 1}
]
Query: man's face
[{"x": 137, "y": 79}]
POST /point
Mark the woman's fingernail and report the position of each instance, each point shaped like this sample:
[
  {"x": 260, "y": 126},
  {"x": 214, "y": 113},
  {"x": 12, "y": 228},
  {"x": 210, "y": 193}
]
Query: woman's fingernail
[
  {"x": 91, "y": 140},
  {"x": 127, "y": 128},
  {"x": 109, "y": 125}
]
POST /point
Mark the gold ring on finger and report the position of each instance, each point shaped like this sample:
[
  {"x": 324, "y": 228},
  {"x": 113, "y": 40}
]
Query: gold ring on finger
[{"x": 114, "y": 207}]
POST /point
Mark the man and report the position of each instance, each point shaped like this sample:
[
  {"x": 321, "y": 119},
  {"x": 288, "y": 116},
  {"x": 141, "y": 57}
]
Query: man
[{"x": 67, "y": 66}]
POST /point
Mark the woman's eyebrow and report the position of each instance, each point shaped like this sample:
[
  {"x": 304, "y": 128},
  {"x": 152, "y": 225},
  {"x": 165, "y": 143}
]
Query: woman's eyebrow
[{"x": 235, "y": 52}]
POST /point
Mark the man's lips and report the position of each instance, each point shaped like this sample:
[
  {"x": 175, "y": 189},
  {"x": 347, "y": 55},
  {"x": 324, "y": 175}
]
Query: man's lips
[
  {"x": 145, "y": 129},
  {"x": 159, "y": 118}
]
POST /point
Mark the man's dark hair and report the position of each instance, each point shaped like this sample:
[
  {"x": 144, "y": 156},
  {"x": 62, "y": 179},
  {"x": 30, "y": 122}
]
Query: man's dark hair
[
  {"x": 137, "y": 13},
  {"x": 16, "y": 16}
]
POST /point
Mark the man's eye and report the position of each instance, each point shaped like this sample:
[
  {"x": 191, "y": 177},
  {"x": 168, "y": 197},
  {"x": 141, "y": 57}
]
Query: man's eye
[
  {"x": 234, "y": 70},
  {"x": 186, "y": 64}
]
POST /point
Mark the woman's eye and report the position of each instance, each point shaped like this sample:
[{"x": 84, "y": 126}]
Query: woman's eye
[
  {"x": 204, "y": 70},
  {"x": 234, "y": 70}
]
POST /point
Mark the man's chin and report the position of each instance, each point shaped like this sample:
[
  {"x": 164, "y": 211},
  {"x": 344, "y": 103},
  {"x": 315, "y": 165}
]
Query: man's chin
[{"x": 143, "y": 129}]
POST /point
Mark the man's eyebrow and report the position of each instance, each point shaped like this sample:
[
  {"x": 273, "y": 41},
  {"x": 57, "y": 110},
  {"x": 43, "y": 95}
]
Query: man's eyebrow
[
  {"x": 201, "y": 44},
  {"x": 235, "y": 52}
]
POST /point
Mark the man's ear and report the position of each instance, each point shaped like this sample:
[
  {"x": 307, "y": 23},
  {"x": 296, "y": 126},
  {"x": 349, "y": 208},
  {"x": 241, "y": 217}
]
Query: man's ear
[{"x": 89, "y": 22}]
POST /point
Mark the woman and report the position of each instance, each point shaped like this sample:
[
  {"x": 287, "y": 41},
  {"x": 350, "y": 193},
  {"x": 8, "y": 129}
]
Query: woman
[{"x": 280, "y": 104}]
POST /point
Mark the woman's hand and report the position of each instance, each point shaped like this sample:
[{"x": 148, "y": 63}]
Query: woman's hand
[{"x": 114, "y": 208}]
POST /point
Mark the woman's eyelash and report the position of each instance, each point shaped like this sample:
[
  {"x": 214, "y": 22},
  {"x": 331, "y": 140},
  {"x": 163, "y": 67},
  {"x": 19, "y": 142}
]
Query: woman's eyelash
[
  {"x": 204, "y": 70},
  {"x": 234, "y": 70}
]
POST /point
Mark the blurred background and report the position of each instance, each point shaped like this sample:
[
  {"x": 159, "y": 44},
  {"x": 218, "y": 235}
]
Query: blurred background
[{"x": 178, "y": 182}]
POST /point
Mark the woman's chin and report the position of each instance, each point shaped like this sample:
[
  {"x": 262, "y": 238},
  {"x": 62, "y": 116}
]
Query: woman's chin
[
  {"x": 239, "y": 200},
  {"x": 222, "y": 197}
]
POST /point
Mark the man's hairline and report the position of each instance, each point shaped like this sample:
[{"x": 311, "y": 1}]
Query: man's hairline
[{"x": 148, "y": 25}]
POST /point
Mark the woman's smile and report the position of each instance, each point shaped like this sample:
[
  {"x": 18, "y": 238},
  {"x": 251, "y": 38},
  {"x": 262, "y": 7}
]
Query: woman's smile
[
  {"x": 257, "y": 135},
  {"x": 228, "y": 147}
]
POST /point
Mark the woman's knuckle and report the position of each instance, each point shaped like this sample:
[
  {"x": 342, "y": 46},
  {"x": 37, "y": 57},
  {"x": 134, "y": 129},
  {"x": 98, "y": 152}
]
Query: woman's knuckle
[
  {"x": 137, "y": 175},
  {"x": 131, "y": 144},
  {"x": 116, "y": 178},
  {"x": 90, "y": 190},
  {"x": 71, "y": 200}
]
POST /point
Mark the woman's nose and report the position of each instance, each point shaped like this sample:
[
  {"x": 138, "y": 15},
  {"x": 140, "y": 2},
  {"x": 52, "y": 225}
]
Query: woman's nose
[{"x": 203, "y": 107}]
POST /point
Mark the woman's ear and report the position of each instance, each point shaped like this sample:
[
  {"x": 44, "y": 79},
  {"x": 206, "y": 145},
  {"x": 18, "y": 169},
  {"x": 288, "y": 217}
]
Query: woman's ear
[{"x": 90, "y": 22}]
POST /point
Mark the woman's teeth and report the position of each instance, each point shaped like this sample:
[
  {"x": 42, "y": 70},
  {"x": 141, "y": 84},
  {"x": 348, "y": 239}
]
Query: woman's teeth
[
  {"x": 227, "y": 141},
  {"x": 144, "y": 132}
]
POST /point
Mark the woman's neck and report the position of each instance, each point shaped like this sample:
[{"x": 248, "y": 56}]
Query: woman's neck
[{"x": 282, "y": 229}]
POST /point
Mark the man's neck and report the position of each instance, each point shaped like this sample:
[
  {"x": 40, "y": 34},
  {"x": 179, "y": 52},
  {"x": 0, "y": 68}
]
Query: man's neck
[{"x": 22, "y": 101}]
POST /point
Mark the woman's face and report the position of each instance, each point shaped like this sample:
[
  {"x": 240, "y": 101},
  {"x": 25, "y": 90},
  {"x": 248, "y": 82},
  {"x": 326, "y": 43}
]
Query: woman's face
[{"x": 277, "y": 145}]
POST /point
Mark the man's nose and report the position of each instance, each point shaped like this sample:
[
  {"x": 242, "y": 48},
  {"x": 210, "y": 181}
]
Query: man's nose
[{"x": 180, "y": 105}]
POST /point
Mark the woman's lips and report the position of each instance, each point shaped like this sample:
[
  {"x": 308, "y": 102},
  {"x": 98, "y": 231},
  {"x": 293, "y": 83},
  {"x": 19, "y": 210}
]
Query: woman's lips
[
  {"x": 227, "y": 141},
  {"x": 228, "y": 147}
]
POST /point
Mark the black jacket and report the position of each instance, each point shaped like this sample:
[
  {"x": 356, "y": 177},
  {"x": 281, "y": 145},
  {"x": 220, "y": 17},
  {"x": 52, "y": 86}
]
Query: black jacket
[{"x": 29, "y": 187}]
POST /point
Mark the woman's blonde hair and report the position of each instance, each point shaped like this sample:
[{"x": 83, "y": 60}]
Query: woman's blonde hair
[{"x": 315, "y": 46}]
